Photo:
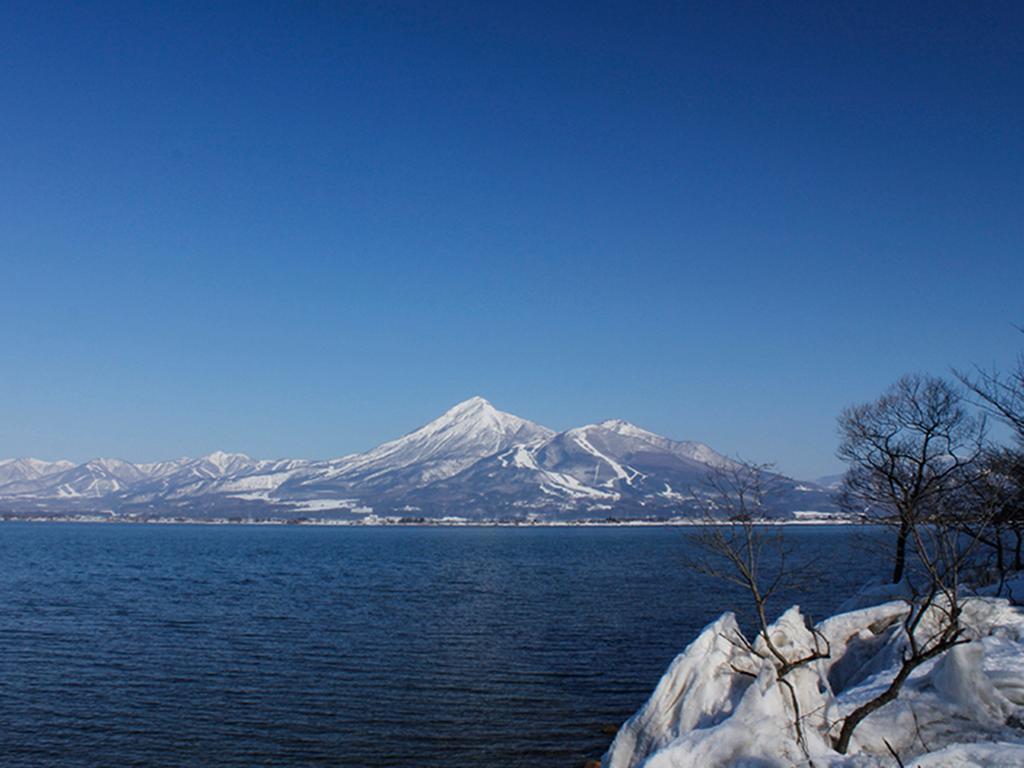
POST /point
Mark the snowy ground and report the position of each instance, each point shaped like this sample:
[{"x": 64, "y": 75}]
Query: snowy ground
[{"x": 720, "y": 705}]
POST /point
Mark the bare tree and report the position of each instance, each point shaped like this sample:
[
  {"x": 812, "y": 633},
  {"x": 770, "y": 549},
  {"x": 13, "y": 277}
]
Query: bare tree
[
  {"x": 1006, "y": 468},
  {"x": 999, "y": 394},
  {"x": 735, "y": 546},
  {"x": 933, "y": 623},
  {"x": 917, "y": 458},
  {"x": 905, "y": 450},
  {"x": 991, "y": 508}
]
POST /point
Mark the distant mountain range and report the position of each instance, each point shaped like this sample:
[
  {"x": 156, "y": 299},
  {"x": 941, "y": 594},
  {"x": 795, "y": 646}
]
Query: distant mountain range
[{"x": 474, "y": 462}]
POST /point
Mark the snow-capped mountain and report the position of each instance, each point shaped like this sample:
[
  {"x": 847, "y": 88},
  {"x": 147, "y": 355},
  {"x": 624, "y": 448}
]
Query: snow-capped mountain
[
  {"x": 94, "y": 479},
  {"x": 472, "y": 430},
  {"x": 617, "y": 454},
  {"x": 185, "y": 478},
  {"x": 610, "y": 469},
  {"x": 604, "y": 465},
  {"x": 19, "y": 470},
  {"x": 473, "y": 461}
]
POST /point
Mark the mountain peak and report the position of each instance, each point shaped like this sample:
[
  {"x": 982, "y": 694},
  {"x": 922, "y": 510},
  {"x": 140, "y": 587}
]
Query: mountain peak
[
  {"x": 13, "y": 470},
  {"x": 619, "y": 428},
  {"x": 463, "y": 434},
  {"x": 625, "y": 428},
  {"x": 472, "y": 406},
  {"x": 109, "y": 464},
  {"x": 224, "y": 461},
  {"x": 219, "y": 457},
  {"x": 476, "y": 417}
]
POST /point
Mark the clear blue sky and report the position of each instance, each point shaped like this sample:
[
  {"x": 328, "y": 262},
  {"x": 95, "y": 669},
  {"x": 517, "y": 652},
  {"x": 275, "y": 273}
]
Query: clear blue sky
[{"x": 300, "y": 229}]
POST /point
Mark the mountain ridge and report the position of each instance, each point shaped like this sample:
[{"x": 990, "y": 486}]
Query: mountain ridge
[{"x": 473, "y": 462}]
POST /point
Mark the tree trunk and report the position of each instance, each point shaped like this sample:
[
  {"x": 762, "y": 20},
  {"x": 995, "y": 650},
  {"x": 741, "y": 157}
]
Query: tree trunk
[
  {"x": 1000, "y": 559},
  {"x": 852, "y": 720},
  {"x": 901, "y": 550},
  {"x": 1017, "y": 565},
  {"x": 842, "y": 743}
]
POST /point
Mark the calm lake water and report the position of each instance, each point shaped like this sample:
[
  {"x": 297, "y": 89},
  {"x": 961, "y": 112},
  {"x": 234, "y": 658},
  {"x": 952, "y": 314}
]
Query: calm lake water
[{"x": 243, "y": 646}]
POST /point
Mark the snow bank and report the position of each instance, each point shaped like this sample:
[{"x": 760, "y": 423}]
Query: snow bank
[
  {"x": 702, "y": 677},
  {"x": 721, "y": 703},
  {"x": 984, "y": 755}
]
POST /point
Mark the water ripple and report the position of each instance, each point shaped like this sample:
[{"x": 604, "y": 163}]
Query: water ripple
[{"x": 289, "y": 646}]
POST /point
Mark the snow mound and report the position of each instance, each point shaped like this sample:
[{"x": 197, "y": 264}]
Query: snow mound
[
  {"x": 960, "y": 680},
  {"x": 721, "y": 702},
  {"x": 990, "y": 755},
  {"x": 702, "y": 676}
]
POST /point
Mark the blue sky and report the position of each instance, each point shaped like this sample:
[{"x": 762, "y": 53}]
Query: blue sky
[{"x": 301, "y": 229}]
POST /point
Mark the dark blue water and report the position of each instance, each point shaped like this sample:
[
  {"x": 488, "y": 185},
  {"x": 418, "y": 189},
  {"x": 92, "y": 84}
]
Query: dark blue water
[{"x": 243, "y": 646}]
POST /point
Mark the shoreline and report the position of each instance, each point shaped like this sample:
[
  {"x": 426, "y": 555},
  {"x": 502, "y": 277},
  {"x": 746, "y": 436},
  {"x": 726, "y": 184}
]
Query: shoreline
[{"x": 440, "y": 523}]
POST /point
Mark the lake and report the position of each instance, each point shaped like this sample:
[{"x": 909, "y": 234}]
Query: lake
[{"x": 180, "y": 645}]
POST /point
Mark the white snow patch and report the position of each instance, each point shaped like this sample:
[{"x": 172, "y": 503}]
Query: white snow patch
[{"x": 620, "y": 473}]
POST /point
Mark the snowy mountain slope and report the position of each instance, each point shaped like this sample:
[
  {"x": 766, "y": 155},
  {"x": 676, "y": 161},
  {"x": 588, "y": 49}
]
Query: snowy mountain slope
[
  {"x": 473, "y": 461},
  {"x": 211, "y": 474},
  {"x": 103, "y": 478},
  {"x": 599, "y": 467},
  {"x": 619, "y": 455},
  {"x": 508, "y": 484},
  {"x": 610, "y": 469},
  {"x": 94, "y": 479},
  {"x": 467, "y": 432},
  {"x": 461, "y": 436},
  {"x": 21, "y": 470}
]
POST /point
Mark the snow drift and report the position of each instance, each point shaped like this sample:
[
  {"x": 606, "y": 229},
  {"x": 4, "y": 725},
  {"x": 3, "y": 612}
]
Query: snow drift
[{"x": 720, "y": 704}]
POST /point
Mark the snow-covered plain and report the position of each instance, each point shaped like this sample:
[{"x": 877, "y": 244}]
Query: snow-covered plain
[{"x": 718, "y": 704}]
